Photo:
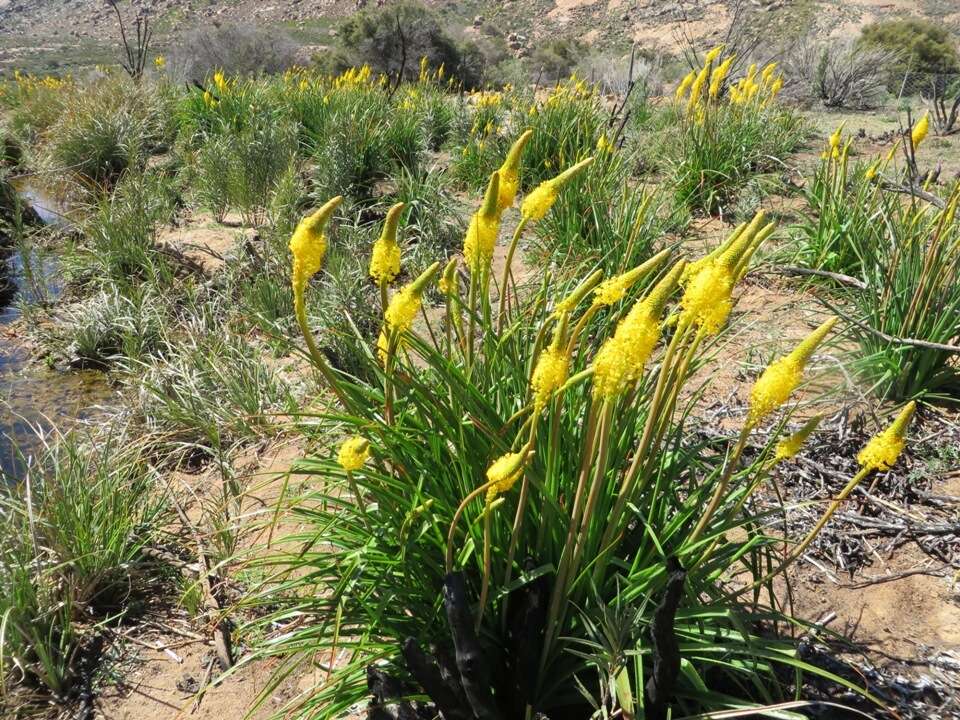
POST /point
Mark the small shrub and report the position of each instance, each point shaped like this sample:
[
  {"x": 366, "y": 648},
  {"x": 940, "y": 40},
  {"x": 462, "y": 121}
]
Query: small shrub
[
  {"x": 119, "y": 237},
  {"x": 209, "y": 390},
  {"x": 912, "y": 293},
  {"x": 72, "y": 554},
  {"x": 109, "y": 328},
  {"x": 110, "y": 127},
  {"x": 840, "y": 73},
  {"x": 371, "y": 38},
  {"x": 557, "y": 58}
]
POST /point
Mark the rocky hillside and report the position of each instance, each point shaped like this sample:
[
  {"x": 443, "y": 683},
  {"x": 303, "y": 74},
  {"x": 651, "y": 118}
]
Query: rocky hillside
[{"x": 43, "y": 34}]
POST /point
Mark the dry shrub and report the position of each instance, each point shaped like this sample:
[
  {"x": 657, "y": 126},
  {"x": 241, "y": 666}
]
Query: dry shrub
[
  {"x": 235, "y": 49},
  {"x": 839, "y": 73}
]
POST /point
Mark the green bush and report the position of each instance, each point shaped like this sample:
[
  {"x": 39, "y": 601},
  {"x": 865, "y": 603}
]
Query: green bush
[
  {"x": 111, "y": 126},
  {"x": 118, "y": 245},
  {"x": 557, "y": 58},
  {"x": 371, "y": 37},
  {"x": 922, "y": 47}
]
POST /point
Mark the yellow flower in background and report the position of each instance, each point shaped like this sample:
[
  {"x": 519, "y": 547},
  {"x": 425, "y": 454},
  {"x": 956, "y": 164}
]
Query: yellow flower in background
[
  {"x": 353, "y": 453},
  {"x": 920, "y": 130},
  {"x": 552, "y": 368},
  {"x": 208, "y": 99},
  {"x": 790, "y": 446},
  {"x": 483, "y": 229},
  {"x": 603, "y": 144},
  {"x": 778, "y": 381},
  {"x": 613, "y": 289},
  {"x": 718, "y": 75},
  {"x": 159, "y": 62},
  {"x": 871, "y": 171},
  {"x": 767, "y": 73},
  {"x": 509, "y": 180},
  {"x": 685, "y": 85},
  {"x": 385, "y": 259},
  {"x": 883, "y": 450},
  {"x": 696, "y": 90},
  {"x": 220, "y": 81},
  {"x": 538, "y": 202},
  {"x": 835, "y": 139},
  {"x": 309, "y": 245},
  {"x": 712, "y": 55}
]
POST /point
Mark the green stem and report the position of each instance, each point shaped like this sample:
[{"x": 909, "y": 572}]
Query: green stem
[
  {"x": 301, "y": 312},
  {"x": 504, "y": 292}
]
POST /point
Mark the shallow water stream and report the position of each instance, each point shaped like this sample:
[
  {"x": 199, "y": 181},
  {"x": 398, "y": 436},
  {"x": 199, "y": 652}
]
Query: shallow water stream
[{"x": 35, "y": 399}]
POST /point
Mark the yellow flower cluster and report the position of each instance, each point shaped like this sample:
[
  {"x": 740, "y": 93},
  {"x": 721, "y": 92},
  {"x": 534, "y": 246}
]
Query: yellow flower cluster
[
  {"x": 29, "y": 84},
  {"x": 353, "y": 453},
  {"x": 385, "y": 258},
  {"x": 572, "y": 89},
  {"x": 354, "y": 77},
  {"x": 552, "y": 368},
  {"x": 486, "y": 99},
  {"x": 509, "y": 173},
  {"x": 538, "y": 201},
  {"x": 613, "y": 289},
  {"x": 621, "y": 359},
  {"x": 790, "y": 446},
  {"x": 749, "y": 90},
  {"x": 309, "y": 245},
  {"x": 920, "y": 130},
  {"x": 883, "y": 450},
  {"x": 778, "y": 381},
  {"x": 708, "y": 282},
  {"x": 503, "y": 474},
  {"x": 402, "y": 309},
  {"x": 483, "y": 229},
  {"x": 159, "y": 62}
]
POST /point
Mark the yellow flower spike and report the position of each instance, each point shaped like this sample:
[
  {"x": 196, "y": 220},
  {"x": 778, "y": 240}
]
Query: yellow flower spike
[
  {"x": 553, "y": 366},
  {"x": 696, "y": 90},
  {"x": 706, "y": 302},
  {"x": 718, "y": 75},
  {"x": 685, "y": 85},
  {"x": 733, "y": 251},
  {"x": 570, "y": 302},
  {"x": 309, "y": 244},
  {"x": 920, "y": 130},
  {"x": 871, "y": 171},
  {"x": 483, "y": 229},
  {"x": 883, "y": 450},
  {"x": 385, "y": 259},
  {"x": 538, "y": 202},
  {"x": 448, "y": 278},
  {"x": 621, "y": 359},
  {"x": 405, "y": 304},
  {"x": 510, "y": 172},
  {"x": 776, "y": 384},
  {"x": 503, "y": 473},
  {"x": 160, "y": 62},
  {"x": 835, "y": 138},
  {"x": 790, "y": 446},
  {"x": 613, "y": 289},
  {"x": 353, "y": 453},
  {"x": 767, "y": 73},
  {"x": 713, "y": 54}
]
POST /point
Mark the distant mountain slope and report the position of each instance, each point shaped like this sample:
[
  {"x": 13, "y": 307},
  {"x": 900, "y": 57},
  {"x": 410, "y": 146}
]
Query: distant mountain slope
[{"x": 45, "y": 33}]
